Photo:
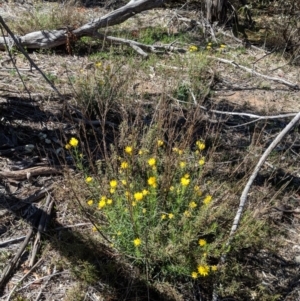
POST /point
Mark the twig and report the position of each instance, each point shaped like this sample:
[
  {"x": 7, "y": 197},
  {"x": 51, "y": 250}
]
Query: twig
[
  {"x": 41, "y": 227},
  {"x": 11, "y": 241},
  {"x": 72, "y": 226},
  {"x": 22, "y": 279},
  {"x": 11, "y": 265}
]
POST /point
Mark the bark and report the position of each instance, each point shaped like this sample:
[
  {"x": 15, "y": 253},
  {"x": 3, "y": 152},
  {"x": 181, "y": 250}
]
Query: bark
[
  {"x": 216, "y": 11},
  {"x": 53, "y": 38}
]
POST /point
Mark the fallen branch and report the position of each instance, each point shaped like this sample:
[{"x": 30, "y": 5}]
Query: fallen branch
[
  {"x": 54, "y": 38},
  {"x": 29, "y": 172},
  {"x": 41, "y": 228},
  {"x": 275, "y": 79},
  {"x": 141, "y": 48},
  {"x": 245, "y": 192},
  {"x": 11, "y": 241}
]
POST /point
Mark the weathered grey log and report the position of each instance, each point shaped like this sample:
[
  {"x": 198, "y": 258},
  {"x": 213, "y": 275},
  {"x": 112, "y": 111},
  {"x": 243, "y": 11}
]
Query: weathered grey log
[
  {"x": 216, "y": 10},
  {"x": 53, "y": 38}
]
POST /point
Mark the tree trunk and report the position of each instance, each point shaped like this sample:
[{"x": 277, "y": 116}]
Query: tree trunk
[{"x": 216, "y": 11}]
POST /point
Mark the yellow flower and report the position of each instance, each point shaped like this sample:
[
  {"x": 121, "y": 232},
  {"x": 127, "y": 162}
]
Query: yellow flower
[
  {"x": 94, "y": 229},
  {"x": 152, "y": 162},
  {"x": 200, "y": 145},
  {"x": 73, "y": 142},
  {"x": 138, "y": 196},
  {"x": 194, "y": 275},
  {"x": 68, "y": 146},
  {"x": 171, "y": 215},
  {"x": 127, "y": 193},
  {"x": 119, "y": 233},
  {"x": 192, "y": 205},
  {"x": 172, "y": 188},
  {"x": 203, "y": 270},
  {"x": 222, "y": 46},
  {"x": 90, "y": 202},
  {"x": 202, "y": 161},
  {"x": 133, "y": 204},
  {"x": 113, "y": 184},
  {"x": 152, "y": 182},
  {"x": 182, "y": 164},
  {"x": 124, "y": 182},
  {"x": 101, "y": 203},
  {"x": 163, "y": 216},
  {"x": 214, "y": 268},
  {"x": 137, "y": 242},
  {"x": 145, "y": 192},
  {"x": 196, "y": 188},
  {"x": 187, "y": 213},
  {"x": 109, "y": 201},
  {"x": 202, "y": 242},
  {"x": 144, "y": 210},
  {"x": 160, "y": 143},
  {"x": 177, "y": 150},
  {"x": 184, "y": 181},
  {"x": 98, "y": 64},
  {"x": 209, "y": 44},
  {"x": 193, "y": 48},
  {"x": 207, "y": 199},
  {"x": 140, "y": 152},
  {"x": 124, "y": 165},
  {"x": 186, "y": 176},
  {"x": 208, "y": 47},
  {"x": 112, "y": 190},
  {"x": 128, "y": 150}
]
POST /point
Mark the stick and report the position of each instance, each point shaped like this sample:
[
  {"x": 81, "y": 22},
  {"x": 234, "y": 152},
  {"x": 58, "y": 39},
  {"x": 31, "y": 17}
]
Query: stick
[
  {"x": 11, "y": 265},
  {"x": 275, "y": 79},
  {"x": 11, "y": 241},
  {"x": 41, "y": 227}
]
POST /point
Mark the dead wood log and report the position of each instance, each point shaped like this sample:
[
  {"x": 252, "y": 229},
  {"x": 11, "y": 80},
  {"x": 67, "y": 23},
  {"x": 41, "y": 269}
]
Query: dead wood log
[
  {"x": 53, "y": 38},
  {"x": 29, "y": 172}
]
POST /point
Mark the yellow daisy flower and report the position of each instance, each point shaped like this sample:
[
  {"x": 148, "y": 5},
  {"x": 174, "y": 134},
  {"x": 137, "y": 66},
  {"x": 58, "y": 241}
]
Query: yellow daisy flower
[
  {"x": 137, "y": 242},
  {"x": 128, "y": 150},
  {"x": 207, "y": 199},
  {"x": 202, "y": 242},
  {"x": 124, "y": 165},
  {"x": 152, "y": 162},
  {"x": 203, "y": 270},
  {"x": 184, "y": 181},
  {"x": 138, "y": 196},
  {"x": 88, "y": 179},
  {"x": 73, "y": 142}
]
